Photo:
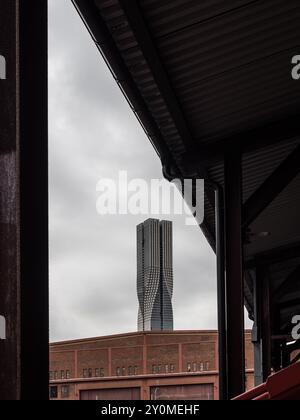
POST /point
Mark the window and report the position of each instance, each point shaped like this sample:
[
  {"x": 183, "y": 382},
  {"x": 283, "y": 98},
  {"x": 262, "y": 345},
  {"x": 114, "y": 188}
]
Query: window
[
  {"x": 90, "y": 373},
  {"x": 99, "y": 373},
  {"x": 154, "y": 369},
  {"x": 194, "y": 367},
  {"x": 159, "y": 369},
  {"x": 201, "y": 367},
  {"x": 136, "y": 370},
  {"x": 51, "y": 376},
  {"x": 85, "y": 373},
  {"x": 130, "y": 370},
  {"x": 62, "y": 374},
  {"x": 207, "y": 366},
  {"x": 53, "y": 392},
  {"x": 65, "y": 392},
  {"x": 189, "y": 367},
  {"x": 118, "y": 371},
  {"x": 167, "y": 369},
  {"x": 56, "y": 375},
  {"x": 68, "y": 374},
  {"x": 123, "y": 371},
  {"x": 172, "y": 368}
]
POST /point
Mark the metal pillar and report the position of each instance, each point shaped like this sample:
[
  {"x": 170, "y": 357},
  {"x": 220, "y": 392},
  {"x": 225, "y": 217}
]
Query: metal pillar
[
  {"x": 24, "y": 200},
  {"x": 266, "y": 326},
  {"x": 234, "y": 274},
  {"x": 220, "y": 251},
  {"x": 9, "y": 279},
  {"x": 256, "y": 333}
]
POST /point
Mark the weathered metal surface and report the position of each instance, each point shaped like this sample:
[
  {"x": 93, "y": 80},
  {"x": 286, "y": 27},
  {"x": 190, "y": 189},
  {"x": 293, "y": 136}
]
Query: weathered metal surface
[
  {"x": 23, "y": 200},
  {"x": 9, "y": 278}
]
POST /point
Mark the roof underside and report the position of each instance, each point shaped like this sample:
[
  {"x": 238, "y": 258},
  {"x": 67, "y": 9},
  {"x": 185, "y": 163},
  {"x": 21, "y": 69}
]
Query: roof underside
[{"x": 203, "y": 76}]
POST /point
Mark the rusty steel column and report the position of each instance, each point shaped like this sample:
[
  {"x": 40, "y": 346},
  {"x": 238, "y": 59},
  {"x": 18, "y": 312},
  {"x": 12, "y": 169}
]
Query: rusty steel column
[
  {"x": 24, "y": 352},
  {"x": 234, "y": 274},
  {"x": 9, "y": 223}
]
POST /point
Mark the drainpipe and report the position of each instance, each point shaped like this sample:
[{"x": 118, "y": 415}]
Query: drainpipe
[{"x": 221, "y": 287}]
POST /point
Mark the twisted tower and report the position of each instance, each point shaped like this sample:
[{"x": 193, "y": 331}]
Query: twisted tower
[{"x": 155, "y": 275}]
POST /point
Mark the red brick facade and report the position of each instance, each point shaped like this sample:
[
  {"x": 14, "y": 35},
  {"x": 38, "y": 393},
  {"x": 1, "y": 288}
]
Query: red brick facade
[{"x": 145, "y": 365}]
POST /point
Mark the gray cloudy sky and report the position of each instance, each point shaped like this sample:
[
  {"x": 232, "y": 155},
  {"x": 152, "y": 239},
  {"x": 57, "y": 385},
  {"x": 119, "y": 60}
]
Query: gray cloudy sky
[{"x": 93, "y": 135}]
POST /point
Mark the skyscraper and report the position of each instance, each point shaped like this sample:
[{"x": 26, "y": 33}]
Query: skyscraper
[{"x": 155, "y": 275}]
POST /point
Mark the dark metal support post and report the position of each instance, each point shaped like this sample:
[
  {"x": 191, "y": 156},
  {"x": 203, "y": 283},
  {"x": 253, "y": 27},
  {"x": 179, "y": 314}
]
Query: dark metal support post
[
  {"x": 24, "y": 353},
  {"x": 9, "y": 275},
  {"x": 234, "y": 274},
  {"x": 256, "y": 333},
  {"x": 263, "y": 278},
  {"x": 220, "y": 251},
  {"x": 34, "y": 198}
]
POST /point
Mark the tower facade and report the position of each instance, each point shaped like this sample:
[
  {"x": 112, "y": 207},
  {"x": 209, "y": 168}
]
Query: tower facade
[{"x": 155, "y": 275}]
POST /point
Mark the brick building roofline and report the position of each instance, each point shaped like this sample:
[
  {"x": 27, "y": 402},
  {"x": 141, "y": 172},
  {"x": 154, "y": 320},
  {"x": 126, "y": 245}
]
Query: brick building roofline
[{"x": 138, "y": 334}]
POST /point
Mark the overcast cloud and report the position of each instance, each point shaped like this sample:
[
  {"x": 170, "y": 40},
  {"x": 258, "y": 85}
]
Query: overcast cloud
[{"x": 93, "y": 135}]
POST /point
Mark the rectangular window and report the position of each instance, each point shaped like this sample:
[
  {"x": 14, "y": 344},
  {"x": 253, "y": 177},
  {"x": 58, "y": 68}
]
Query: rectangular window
[
  {"x": 172, "y": 368},
  {"x": 167, "y": 369},
  {"x": 90, "y": 373},
  {"x": 118, "y": 371},
  {"x": 53, "y": 392},
  {"x": 154, "y": 369},
  {"x": 56, "y": 375},
  {"x": 189, "y": 367},
  {"x": 201, "y": 367},
  {"x": 97, "y": 373},
  {"x": 51, "y": 376},
  {"x": 195, "y": 367},
  {"x": 123, "y": 371},
  {"x": 68, "y": 374},
  {"x": 65, "y": 392},
  {"x": 136, "y": 370},
  {"x": 130, "y": 371},
  {"x": 85, "y": 373},
  {"x": 207, "y": 366},
  {"x": 62, "y": 374},
  {"x": 102, "y": 373}
]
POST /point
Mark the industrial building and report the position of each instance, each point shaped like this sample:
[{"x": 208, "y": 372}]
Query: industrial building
[{"x": 174, "y": 365}]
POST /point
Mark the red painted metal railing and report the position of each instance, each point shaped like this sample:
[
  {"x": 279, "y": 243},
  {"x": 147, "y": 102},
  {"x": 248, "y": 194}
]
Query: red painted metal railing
[{"x": 284, "y": 385}]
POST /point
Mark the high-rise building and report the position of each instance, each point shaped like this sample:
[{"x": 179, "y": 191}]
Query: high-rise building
[{"x": 155, "y": 275}]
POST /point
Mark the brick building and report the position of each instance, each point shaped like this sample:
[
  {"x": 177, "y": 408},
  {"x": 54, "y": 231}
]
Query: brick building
[{"x": 152, "y": 365}]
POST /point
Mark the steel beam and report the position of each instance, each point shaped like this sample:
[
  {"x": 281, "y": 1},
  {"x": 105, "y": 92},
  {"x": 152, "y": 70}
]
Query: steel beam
[
  {"x": 247, "y": 141},
  {"x": 9, "y": 223},
  {"x": 24, "y": 353},
  {"x": 266, "y": 321},
  {"x": 272, "y": 187},
  {"x": 274, "y": 256},
  {"x": 256, "y": 332},
  {"x": 221, "y": 286},
  {"x": 289, "y": 285},
  {"x": 234, "y": 274},
  {"x": 140, "y": 29},
  {"x": 96, "y": 26}
]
